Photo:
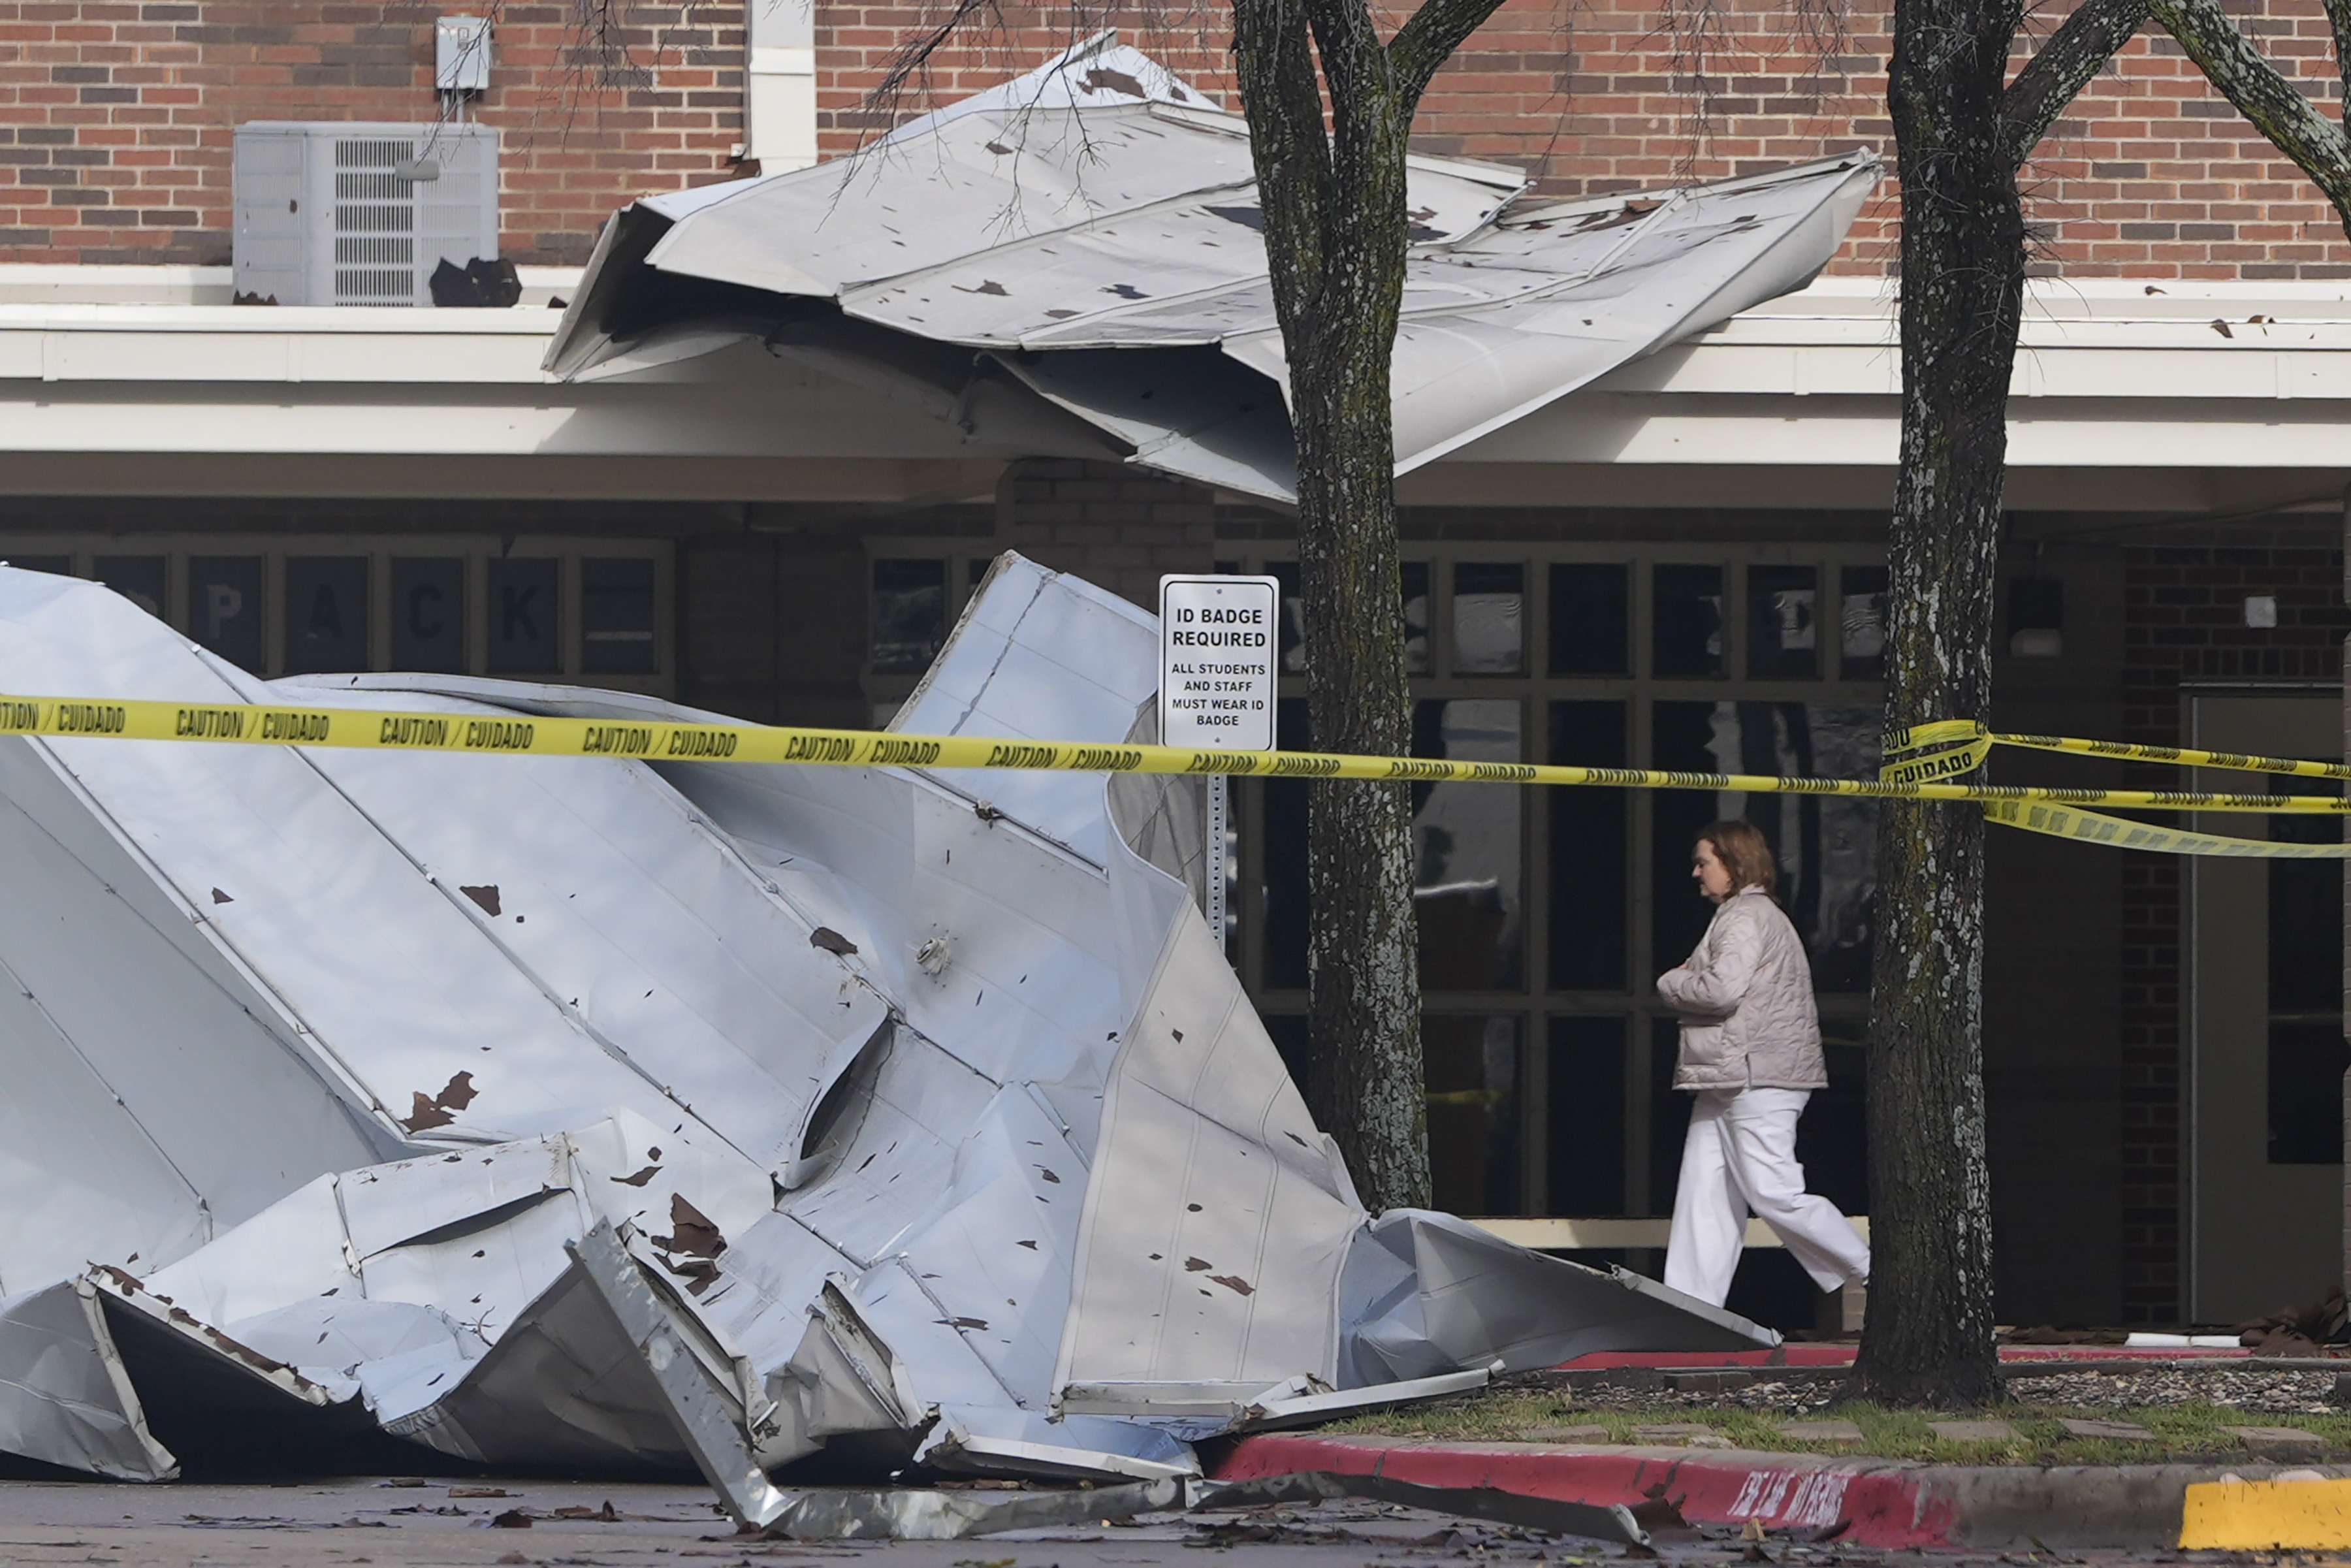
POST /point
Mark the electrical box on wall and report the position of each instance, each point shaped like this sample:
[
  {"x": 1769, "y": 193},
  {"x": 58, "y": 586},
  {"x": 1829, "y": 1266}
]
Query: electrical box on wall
[
  {"x": 361, "y": 212},
  {"x": 461, "y": 54}
]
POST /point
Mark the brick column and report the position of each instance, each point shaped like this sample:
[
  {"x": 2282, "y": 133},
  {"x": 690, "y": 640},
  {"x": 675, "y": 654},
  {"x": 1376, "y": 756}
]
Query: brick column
[
  {"x": 1116, "y": 527},
  {"x": 771, "y": 627}
]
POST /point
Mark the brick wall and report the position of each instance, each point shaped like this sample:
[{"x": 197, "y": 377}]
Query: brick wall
[
  {"x": 116, "y": 120},
  {"x": 2150, "y": 175},
  {"x": 2185, "y": 622},
  {"x": 1116, "y": 527}
]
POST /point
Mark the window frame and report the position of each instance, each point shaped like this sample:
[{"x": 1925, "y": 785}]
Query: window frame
[{"x": 476, "y": 551}]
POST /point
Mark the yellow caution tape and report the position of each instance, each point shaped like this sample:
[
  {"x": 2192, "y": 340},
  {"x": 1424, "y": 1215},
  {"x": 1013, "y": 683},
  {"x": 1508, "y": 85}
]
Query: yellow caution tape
[
  {"x": 1936, "y": 734},
  {"x": 2188, "y": 756},
  {"x": 2061, "y": 815},
  {"x": 521, "y": 735},
  {"x": 1937, "y": 765},
  {"x": 1982, "y": 740},
  {"x": 2089, "y": 827}
]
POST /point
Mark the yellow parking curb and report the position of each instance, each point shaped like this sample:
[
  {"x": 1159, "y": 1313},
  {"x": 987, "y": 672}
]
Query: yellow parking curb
[{"x": 2260, "y": 1516}]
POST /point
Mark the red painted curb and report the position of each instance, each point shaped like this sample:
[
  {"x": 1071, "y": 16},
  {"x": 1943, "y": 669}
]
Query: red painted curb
[
  {"x": 1880, "y": 1505},
  {"x": 1785, "y": 1356},
  {"x": 1817, "y": 1356}
]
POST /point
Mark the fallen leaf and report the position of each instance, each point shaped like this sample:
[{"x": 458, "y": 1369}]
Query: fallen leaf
[{"x": 605, "y": 1515}]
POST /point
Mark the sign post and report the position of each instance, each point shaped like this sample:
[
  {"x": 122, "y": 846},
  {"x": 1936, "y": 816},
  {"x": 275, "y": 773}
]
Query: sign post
[{"x": 1218, "y": 642}]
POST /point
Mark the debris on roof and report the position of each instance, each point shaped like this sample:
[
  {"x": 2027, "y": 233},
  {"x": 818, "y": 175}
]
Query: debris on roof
[
  {"x": 1100, "y": 249},
  {"x": 601, "y": 1114}
]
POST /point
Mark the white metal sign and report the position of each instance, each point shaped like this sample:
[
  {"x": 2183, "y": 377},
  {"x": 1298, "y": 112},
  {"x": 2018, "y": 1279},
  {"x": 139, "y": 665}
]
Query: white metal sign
[{"x": 1217, "y": 637}]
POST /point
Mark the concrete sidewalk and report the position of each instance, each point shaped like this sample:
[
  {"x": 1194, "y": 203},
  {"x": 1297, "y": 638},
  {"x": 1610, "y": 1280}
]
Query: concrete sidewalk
[{"x": 1856, "y": 1500}]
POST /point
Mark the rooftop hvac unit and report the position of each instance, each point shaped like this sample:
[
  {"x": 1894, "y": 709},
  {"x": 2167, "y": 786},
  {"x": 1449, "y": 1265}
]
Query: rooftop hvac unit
[{"x": 359, "y": 213}]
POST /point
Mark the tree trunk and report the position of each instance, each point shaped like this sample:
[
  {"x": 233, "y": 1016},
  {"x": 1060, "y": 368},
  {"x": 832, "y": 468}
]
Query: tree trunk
[
  {"x": 1928, "y": 1338},
  {"x": 1365, "y": 1019},
  {"x": 1335, "y": 235}
]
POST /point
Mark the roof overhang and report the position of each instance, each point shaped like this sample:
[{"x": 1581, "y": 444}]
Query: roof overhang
[
  {"x": 2122, "y": 399},
  {"x": 2126, "y": 395}
]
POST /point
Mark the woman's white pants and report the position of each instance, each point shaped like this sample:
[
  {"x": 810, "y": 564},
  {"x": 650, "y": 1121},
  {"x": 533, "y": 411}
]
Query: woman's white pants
[{"x": 1741, "y": 1156}]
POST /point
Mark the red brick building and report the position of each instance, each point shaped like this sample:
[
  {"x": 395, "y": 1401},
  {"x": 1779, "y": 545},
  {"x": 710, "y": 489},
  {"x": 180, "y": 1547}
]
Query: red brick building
[
  {"x": 116, "y": 119},
  {"x": 1681, "y": 565}
]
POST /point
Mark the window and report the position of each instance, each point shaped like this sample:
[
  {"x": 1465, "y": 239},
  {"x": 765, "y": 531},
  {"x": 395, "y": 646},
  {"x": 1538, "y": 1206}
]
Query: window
[
  {"x": 428, "y": 613},
  {"x": 910, "y": 614},
  {"x": 526, "y": 622},
  {"x": 325, "y": 615},
  {"x": 595, "y": 612},
  {"x": 2306, "y": 1052},
  {"x": 1545, "y": 914}
]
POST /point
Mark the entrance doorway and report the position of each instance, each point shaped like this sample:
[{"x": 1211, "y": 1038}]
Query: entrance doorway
[{"x": 2265, "y": 1026}]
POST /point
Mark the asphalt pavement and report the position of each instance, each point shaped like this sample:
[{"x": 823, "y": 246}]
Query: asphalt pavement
[{"x": 372, "y": 1520}]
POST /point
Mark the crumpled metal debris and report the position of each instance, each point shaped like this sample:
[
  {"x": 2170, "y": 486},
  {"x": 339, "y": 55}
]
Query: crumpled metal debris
[
  {"x": 514, "y": 1107},
  {"x": 1065, "y": 244},
  {"x": 909, "y": 1513}
]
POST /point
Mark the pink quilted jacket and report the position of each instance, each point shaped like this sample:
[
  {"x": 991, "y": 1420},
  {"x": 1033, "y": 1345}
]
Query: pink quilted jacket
[{"x": 1745, "y": 997}]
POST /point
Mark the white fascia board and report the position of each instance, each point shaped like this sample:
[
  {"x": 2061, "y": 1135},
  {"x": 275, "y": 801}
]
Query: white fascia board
[
  {"x": 2157, "y": 362},
  {"x": 602, "y": 421},
  {"x": 226, "y": 344},
  {"x": 1619, "y": 429},
  {"x": 168, "y": 284}
]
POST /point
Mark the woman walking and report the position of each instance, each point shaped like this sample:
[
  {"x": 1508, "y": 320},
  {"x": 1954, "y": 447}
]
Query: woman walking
[{"x": 1750, "y": 1051}]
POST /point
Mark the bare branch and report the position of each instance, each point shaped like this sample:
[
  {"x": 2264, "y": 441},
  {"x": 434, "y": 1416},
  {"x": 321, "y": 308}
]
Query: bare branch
[
  {"x": 2063, "y": 67},
  {"x": 1274, "y": 59},
  {"x": 2263, "y": 95},
  {"x": 1429, "y": 36},
  {"x": 1356, "y": 70},
  {"x": 909, "y": 69},
  {"x": 2339, "y": 19}
]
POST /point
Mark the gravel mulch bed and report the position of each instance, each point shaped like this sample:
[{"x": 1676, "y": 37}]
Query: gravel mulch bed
[{"x": 2274, "y": 1391}]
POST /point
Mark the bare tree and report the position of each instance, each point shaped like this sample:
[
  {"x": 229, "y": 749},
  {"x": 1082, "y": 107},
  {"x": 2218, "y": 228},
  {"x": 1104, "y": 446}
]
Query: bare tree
[
  {"x": 2266, "y": 96},
  {"x": 1335, "y": 235},
  {"x": 1330, "y": 102},
  {"x": 1961, "y": 131}
]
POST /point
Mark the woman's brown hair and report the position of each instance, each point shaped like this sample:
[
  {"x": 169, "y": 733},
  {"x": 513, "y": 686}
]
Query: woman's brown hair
[{"x": 1739, "y": 845}]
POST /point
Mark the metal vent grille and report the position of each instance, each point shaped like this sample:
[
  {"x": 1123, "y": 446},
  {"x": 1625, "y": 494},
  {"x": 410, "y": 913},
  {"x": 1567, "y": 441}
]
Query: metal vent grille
[
  {"x": 375, "y": 222},
  {"x": 361, "y": 212}
]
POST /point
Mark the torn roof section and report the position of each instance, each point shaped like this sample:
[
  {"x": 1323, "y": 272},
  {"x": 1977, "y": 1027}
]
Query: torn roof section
[
  {"x": 1091, "y": 232},
  {"x": 946, "y": 1133}
]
